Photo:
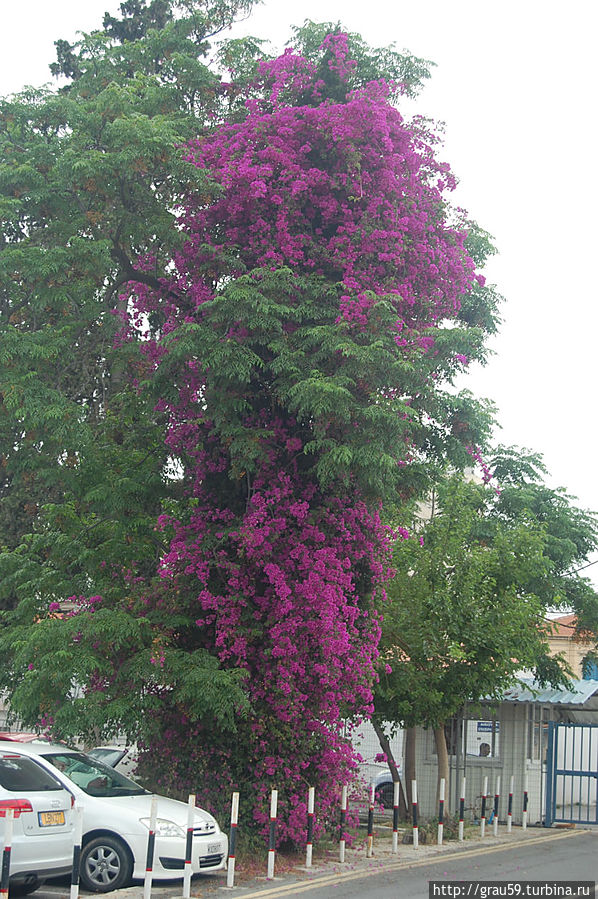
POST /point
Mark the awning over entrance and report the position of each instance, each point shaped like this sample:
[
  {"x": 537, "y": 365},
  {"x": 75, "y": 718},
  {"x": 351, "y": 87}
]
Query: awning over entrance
[{"x": 579, "y": 700}]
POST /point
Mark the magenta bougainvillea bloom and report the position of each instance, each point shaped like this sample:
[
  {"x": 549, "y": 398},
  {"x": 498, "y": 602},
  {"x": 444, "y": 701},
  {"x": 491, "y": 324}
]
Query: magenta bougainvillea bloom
[{"x": 291, "y": 347}]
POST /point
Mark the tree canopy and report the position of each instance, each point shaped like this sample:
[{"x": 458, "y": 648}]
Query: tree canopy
[
  {"x": 90, "y": 176},
  {"x": 232, "y": 317},
  {"x": 467, "y": 606}
]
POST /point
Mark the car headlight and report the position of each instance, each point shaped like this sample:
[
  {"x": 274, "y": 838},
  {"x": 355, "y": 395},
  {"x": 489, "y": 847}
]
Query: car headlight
[{"x": 165, "y": 828}]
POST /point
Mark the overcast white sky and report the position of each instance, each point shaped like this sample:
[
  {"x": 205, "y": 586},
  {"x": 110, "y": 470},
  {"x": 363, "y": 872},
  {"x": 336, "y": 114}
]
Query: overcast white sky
[{"x": 516, "y": 85}]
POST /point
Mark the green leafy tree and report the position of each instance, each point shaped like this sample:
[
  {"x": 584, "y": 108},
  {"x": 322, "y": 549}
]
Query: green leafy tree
[
  {"x": 570, "y": 533},
  {"x": 90, "y": 176},
  {"x": 467, "y": 606},
  {"x": 329, "y": 388}
]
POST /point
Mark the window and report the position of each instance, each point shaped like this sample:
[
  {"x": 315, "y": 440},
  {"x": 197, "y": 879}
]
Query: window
[
  {"x": 483, "y": 738},
  {"x": 589, "y": 667},
  {"x": 19, "y": 774},
  {"x": 473, "y": 737},
  {"x": 93, "y": 776},
  {"x": 537, "y": 732}
]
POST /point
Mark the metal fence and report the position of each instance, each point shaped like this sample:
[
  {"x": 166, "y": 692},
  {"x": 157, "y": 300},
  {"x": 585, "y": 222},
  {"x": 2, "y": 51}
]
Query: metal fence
[{"x": 572, "y": 774}]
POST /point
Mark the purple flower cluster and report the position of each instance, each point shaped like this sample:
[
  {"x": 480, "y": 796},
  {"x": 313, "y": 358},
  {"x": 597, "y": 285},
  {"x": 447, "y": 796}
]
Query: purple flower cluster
[{"x": 285, "y": 588}]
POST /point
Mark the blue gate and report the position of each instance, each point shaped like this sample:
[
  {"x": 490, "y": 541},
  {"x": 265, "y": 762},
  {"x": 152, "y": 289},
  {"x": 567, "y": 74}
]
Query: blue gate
[{"x": 572, "y": 774}]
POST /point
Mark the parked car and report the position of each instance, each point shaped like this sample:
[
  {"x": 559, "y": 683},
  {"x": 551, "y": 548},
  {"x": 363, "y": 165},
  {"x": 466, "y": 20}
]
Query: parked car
[
  {"x": 42, "y": 842},
  {"x": 118, "y": 756},
  {"x": 116, "y": 820},
  {"x": 384, "y": 788}
]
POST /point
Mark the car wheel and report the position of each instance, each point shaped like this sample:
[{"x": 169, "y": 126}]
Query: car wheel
[
  {"x": 385, "y": 794},
  {"x": 106, "y": 865}
]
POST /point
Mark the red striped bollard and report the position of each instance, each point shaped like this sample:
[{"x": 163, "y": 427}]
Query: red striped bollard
[
  {"x": 310, "y": 826},
  {"x": 151, "y": 844},
  {"x": 510, "y": 807},
  {"x": 77, "y": 839},
  {"x": 483, "y": 816},
  {"x": 395, "y": 817},
  {"x": 272, "y": 835},
  {"x": 232, "y": 843},
  {"x": 9, "y": 814},
  {"x": 525, "y": 802},
  {"x": 189, "y": 846},
  {"x": 462, "y": 810},
  {"x": 343, "y": 822},
  {"x": 496, "y": 802},
  {"x": 414, "y": 810},
  {"x": 370, "y": 843},
  {"x": 441, "y": 811}
]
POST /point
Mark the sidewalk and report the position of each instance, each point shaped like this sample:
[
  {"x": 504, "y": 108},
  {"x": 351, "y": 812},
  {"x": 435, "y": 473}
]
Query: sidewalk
[{"x": 214, "y": 885}]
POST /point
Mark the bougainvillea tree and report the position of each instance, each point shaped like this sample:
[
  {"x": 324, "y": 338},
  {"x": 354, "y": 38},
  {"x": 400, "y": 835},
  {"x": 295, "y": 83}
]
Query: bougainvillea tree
[
  {"x": 301, "y": 346},
  {"x": 297, "y": 351}
]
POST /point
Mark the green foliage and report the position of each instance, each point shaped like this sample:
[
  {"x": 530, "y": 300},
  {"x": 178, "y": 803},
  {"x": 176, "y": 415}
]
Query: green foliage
[
  {"x": 570, "y": 533},
  {"x": 466, "y": 608},
  {"x": 89, "y": 182},
  {"x": 312, "y": 365},
  {"x": 91, "y": 178},
  {"x": 116, "y": 655},
  {"x": 401, "y": 70}
]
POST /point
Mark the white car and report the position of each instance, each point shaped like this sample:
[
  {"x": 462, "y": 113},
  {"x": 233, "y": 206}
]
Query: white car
[
  {"x": 119, "y": 756},
  {"x": 116, "y": 823},
  {"x": 42, "y": 842},
  {"x": 384, "y": 787}
]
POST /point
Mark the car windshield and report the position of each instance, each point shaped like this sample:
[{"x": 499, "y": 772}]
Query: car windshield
[
  {"x": 110, "y": 756},
  {"x": 93, "y": 776}
]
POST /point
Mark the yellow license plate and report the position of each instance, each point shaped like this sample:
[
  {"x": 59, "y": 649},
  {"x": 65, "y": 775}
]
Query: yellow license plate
[{"x": 50, "y": 819}]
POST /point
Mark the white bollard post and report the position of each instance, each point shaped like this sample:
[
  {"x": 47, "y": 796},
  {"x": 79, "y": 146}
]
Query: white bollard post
[
  {"x": 310, "y": 826},
  {"x": 414, "y": 809},
  {"x": 8, "y": 834},
  {"x": 483, "y": 816},
  {"x": 510, "y": 809},
  {"x": 441, "y": 811},
  {"x": 232, "y": 843},
  {"x": 370, "y": 841},
  {"x": 496, "y": 803},
  {"x": 77, "y": 839},
  {"x": 272, "y": 838},
  {"x": 343, "y": 821},
  {"x": 525, "y": 801},
  {"x": 189, "y": 846},
  {"x": 151, "y": 843},
  {"x": 462, "y": 810},
  {"x": 395, "y": 817}
]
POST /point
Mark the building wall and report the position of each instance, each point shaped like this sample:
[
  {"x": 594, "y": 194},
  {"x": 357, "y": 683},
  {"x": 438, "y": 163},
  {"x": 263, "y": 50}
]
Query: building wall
[
  {"x": 565, "y": 642},
  {"x": 518, "y": 755},
  {"x": 572, "y": 650}
]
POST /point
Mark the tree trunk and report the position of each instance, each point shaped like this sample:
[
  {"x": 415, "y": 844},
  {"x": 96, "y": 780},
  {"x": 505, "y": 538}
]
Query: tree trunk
[
  {"x": 409, "y": 755},
  {"x": 386, "y": 749},
  {"x": 443, "y": 760}
]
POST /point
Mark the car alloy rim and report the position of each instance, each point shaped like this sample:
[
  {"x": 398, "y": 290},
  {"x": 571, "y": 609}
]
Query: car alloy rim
[{"x": 103, "y": 865}]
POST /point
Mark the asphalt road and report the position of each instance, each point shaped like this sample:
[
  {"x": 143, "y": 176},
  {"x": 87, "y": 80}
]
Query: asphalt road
[
  {"x": 541, "y": 856},
  {"x": 570, "y": 857}
]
